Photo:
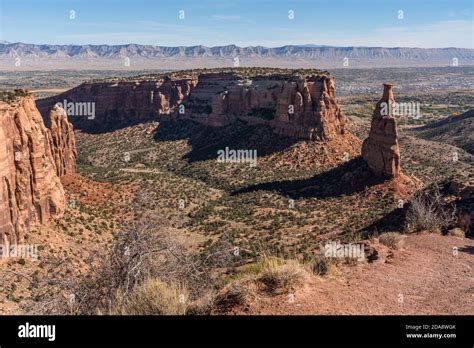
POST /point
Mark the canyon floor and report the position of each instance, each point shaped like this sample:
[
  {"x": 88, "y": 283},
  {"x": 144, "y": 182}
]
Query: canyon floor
[{"x": 217, "y": 200}]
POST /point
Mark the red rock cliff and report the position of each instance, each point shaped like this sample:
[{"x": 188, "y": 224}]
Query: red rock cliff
[
  {"x": 30, "y": 187},
  {"x": 121, "y": 103},
  {"x": 294, "y": 104},
  {"x": 306, "y": 108}
]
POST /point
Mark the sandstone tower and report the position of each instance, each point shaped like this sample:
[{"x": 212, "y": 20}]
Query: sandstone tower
[{"x": 381, "y": 150}]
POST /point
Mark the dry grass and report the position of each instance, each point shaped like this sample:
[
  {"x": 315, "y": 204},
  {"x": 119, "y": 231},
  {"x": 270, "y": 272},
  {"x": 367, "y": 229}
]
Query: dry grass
[
  {"x": 393, "y": 240},
  {"x": 153, "y": 297},
  {"x": 283, "y": 278},
  {"x": 456, "y": 232},
  {"x": 268, "y": 275},
  {"x": 203, "y": 305},
  {"x": 238, "y": 293}
]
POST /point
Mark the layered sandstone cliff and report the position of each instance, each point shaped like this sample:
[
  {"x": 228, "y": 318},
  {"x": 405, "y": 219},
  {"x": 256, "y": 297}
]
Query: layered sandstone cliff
[
  {"x": 381, "y": 150},
  {"x": 294, "y": 103},
  {"x": 303, "y": 108},
  {"x": 113, "y": 104},
  {"x": 30, "y": 187}
]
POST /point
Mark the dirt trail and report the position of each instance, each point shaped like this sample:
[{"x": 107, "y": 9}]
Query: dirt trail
[{"x": 425, "y": 277}]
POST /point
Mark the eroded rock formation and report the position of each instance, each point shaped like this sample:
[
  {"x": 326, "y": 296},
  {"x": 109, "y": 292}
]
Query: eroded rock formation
[
  {"x": 294, "y": 104},
  {"x": 30, "y": 187},
  {"x": 305, "y": 108},
  {"x": 118, "y": 103},
  {"x": 63, "y": 144},
  {"x": 381, "y": 150}
]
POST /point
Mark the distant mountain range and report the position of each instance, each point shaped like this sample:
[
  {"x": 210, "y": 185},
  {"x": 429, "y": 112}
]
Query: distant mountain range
[{"x": 299, "y": 56}]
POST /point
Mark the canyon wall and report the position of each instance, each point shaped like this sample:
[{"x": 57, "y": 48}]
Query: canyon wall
[
  {"x": 381, "y": 150},
  {"x": 119, "y": 103},
  {"x": 302, "y": 106},
  {"x": 31, "y": 157}
]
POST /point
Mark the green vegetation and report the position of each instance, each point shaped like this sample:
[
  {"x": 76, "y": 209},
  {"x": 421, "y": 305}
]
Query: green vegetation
[
  {"x": 240, "y": 73},
  {"x": 11, "y": 96}
]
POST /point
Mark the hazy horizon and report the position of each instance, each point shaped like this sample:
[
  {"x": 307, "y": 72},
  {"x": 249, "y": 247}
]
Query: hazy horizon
[{"x": 7, "y": 42}]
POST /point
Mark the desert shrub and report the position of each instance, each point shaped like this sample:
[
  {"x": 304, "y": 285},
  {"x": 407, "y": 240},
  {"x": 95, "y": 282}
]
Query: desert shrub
[
  {"x": 237, "y": 293},
  {"x": 254, "y": 269},
  {"x": 320, "y": 265},
  {"x": 427, "y": 213},
  {"x": 142, "y": 250},
  {"x": 269, "y": 274},
  {"x": 456, "y": 232},
  {"x": 11, "y": 96},
  {"x": 324, "y": 266},
  {"x": 393, "y": 240},
  {"x": 153, "y": 297},
  {"x": 203, "y": 305},
  {"x": 282, "y": 278},
  {"x": 133, "y": 259}
]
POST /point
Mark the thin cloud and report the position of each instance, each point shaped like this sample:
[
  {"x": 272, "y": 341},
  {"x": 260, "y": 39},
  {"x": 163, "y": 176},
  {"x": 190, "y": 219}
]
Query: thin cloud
[
  {"x": 449, "y": 33},
  {"x": 221, "y": 17}
]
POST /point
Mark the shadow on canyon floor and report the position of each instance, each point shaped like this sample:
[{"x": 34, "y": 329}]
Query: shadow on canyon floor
[
  {"x": 467, "y": 249},
  {"x": 206, "y": 141},
  {"x": 392, "y": 222},
  {"x": 346, "y": 179}
]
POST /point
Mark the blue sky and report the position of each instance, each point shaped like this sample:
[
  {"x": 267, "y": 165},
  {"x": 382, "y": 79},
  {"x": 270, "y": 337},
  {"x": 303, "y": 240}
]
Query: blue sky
[{"x": 425, "y": 23}]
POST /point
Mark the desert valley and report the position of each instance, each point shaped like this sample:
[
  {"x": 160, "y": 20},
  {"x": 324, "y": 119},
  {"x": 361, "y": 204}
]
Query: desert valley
[{"x": 323, "y": 202}]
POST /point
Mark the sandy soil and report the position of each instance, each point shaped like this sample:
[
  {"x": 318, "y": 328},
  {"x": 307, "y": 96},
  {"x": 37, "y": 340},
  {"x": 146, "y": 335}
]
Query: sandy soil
[{"x": 425, "y": 277}]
